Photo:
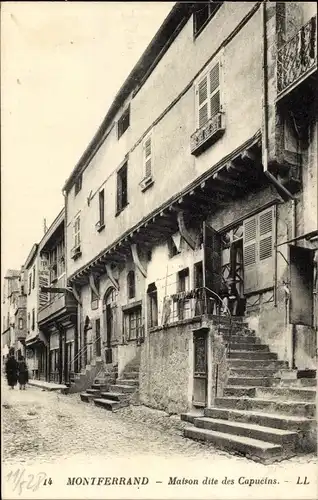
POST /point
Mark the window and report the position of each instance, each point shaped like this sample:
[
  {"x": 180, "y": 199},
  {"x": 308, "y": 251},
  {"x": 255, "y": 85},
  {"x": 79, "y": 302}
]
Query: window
[
  {"x": 20, "y": 324},
  {"x": 133, "y": 324},
  {"x": 29, "y": 321},
  {"x": 147, "y": 156},
  {"x": 33, "y": 319},
  {"x": 101, "y": 200},
  {"x": 183, "y": 280},
  {"x": 94, "y": 297},
  {"x": 60, "y": 255},
  {"x": 198, "y": 275},
  {"x": 30, "y": 283},
  {"x": 131, "y": 286},
  {"x": 258, "y": 251},
  {"x": 123, "y": 122},
  {"x": 122, "y": 188},
  {"x": 78, "y": 184},
  {"x": 77, "y": 232},
  {"x": 98, "y": 338},
  {"x": 208, "y": 95},
  {"x": 172, "y": 248},
  {"x": 152, "y": 305},
  {"x": 203, "y": 14}
]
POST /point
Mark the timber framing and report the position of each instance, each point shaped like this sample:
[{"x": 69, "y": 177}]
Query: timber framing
[{"x": 239, "y": 172}]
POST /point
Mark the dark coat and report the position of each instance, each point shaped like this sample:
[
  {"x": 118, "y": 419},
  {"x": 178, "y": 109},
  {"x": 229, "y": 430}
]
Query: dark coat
[
  {"x": 23, "y": 373},
  {"x": 12, "y": 371}
]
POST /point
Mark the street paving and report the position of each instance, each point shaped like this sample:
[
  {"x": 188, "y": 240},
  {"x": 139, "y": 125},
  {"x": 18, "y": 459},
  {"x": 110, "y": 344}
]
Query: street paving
[{"x": 48, "y": 426}]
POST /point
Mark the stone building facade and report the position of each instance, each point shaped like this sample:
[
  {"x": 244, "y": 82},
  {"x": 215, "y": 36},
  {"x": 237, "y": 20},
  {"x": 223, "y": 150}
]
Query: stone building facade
[{"x": 200, "y": 183}]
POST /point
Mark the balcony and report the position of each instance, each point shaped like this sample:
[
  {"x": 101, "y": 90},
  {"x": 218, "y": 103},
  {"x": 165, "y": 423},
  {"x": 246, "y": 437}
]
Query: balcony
[
  {"x": 205, "y": 136},
  {"x": 58, "y": 304},
  {"x": 20, "y": 334},
  {"x": 21, "y": 302},
  {"x": 183, "y": 306},
  {"x": 297, "y": 58}
]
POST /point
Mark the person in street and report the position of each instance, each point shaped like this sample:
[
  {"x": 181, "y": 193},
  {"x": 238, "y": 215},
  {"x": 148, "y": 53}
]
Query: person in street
[
  {"x": 23, "y": 373},
  {"x": 12, "y": 370}
]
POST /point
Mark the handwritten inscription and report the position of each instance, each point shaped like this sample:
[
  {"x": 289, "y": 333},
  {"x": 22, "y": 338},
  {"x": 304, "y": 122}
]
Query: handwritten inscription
[{"x": 20, "y": 480}]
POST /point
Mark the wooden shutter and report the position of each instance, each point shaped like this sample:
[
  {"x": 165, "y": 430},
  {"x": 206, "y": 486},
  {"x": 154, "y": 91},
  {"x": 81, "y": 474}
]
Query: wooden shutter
[
  {"x": 43, "y": 281},
  {"x": 250, "y": 255},
  {"x": 214, "y": 90},
  {"x": 212, "y": 270},
  {"x": 202, "y": 92},
  {"x": 147, "y": 157},
  {"x": 265, "y": 249}
]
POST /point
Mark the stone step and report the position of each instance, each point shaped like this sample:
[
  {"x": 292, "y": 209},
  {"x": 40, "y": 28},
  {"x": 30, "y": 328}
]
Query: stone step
[
  {"x": 255, "y": 431},
  {"x": 298, "y": 382},
  {"x": 249, "y": 347},
  {"x": 278, "y": 421},
  {"x": 128, "y": 381},
  {"x": 130, "y": 374},
  {"x": 296, "y": 408},
  {"x": 190, "y": 416},
  {"x": 251, "y": 381},
  {"x": 287, "y": 393},
  {"x": 241, "y": 339},
  {"x": 114, "y": 396},
  {"x": 132, "y": 368},
  {"x": 110, "y": 404},
  {"x": 93, "y": 391},
  {"x": 122, "y": 388},
  {"x": 252, "y": 448},
  {"x": 252, "y": 355},
  {"x": 253, "y": 372},
  {"x": 101, "y": 381},
  {"x": 87, "y": 397},
  {"x": 250, "y": 363},
  {"x": 100, "y": 387},
  {"x": 239, "y": 391}
]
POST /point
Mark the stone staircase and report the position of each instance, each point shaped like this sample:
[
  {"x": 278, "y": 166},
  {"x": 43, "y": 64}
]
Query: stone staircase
[
  {"x": 117, "y": 395},
  {"x": 266, "y": 413}
]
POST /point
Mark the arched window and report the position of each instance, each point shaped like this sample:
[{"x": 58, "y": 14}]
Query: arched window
[{"x": 131, "y": 288}]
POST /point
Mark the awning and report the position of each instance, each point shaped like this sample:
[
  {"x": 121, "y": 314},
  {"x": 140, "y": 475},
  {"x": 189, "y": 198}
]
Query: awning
[
  {"x": 306, "y": 236},
  {"x": 36, "y": 338}
]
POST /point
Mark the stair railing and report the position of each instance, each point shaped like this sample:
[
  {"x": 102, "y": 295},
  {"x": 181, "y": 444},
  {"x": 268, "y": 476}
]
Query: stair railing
[
  {"x": 223, "y": 306},
  {"x": 82, "y": 350}
]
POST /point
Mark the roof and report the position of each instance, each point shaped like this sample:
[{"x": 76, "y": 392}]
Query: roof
[
  {"x": 12, "y": 273},
  {"x": 50, "y": 233},
  {"x": 31, "y": 256},
  {"x": 173, "y": 23}
]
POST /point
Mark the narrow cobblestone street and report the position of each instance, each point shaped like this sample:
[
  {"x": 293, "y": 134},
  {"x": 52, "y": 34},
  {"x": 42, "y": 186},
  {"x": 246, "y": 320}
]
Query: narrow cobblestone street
[
  {"x": 48, "y": 425},
  {"x": 55, "y": 433}
]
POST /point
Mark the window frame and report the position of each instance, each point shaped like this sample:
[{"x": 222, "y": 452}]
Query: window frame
[
  {"x": 213, "y": 8},
  {"x": 77, "y": 231},
  {"x": 78, "y": 184},
  {"x": 120, "y": 204},
  {"x": 131, "y": 285},
  {"x": 120, "y": 128},
  {"x": 33, "y": 320},
  {"x": 101, "y": 210},
  {"x": 134, "y": 313},
  {"x": 218, "y": 60},
  {"x": 94, "y": 297}
]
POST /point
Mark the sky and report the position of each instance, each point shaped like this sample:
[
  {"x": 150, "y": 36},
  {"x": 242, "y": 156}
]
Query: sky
[{"x": 62, "y": 64}]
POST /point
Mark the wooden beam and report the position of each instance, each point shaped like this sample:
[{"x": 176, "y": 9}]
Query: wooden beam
[
  {"x": 136, "y": 260},
  {"x": 93, "y": 285},
  {"x": 111, "y": 276},
  {"x": 76, "y": 295},
  {"x": 216, "y": 188},
  {"x": 183, "y": 230}
]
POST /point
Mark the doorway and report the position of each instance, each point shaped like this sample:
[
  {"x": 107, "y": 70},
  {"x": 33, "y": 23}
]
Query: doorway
[{"x": 109, "y": 311}]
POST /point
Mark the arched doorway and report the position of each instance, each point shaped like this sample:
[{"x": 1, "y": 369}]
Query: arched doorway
[{"x": 109, "y": 314}]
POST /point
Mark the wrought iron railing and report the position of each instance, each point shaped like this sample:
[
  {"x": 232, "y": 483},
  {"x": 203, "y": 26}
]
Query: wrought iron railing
[
  {"x": 298, "y": 56},
  {"x": 196, "y": 303}
]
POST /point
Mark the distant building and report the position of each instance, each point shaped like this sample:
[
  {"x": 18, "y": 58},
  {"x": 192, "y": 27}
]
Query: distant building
[
  {"x": 11, "y": 292},
  {"x": 57, "y": 312}
]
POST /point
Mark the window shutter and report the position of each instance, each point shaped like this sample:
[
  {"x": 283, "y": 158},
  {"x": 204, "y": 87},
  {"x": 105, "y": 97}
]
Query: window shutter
[
  {"x": 203, "y": 101},
  {"x": 265, "y": 255},
  {"x": 214, "y": 79},
  {"x": 250, "y": 255},
  {"x": 148, "y": 157}
]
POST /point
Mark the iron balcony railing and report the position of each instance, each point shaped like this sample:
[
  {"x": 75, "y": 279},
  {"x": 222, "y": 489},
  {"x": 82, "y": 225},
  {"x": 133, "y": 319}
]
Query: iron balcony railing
[{"x": 297, "y": 58}]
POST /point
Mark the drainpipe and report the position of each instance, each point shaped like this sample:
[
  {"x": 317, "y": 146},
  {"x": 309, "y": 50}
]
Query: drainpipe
[{"x": 268, "y": 174}]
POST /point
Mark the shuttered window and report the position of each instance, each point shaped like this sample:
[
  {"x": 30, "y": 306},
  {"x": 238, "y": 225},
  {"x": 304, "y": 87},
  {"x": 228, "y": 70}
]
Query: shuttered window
[
  {"x": 258, "y": 251},
  {"x": 77, "y": 232},
  {"x": 147, "y": 151},
  {"x": 208, "y": 95},
  {"x": 122, "y": 188}
]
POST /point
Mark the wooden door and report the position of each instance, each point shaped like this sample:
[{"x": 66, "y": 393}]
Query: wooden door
[
  {"x": 301, "y": 262},
  {"x": 200, "y": 371}
]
